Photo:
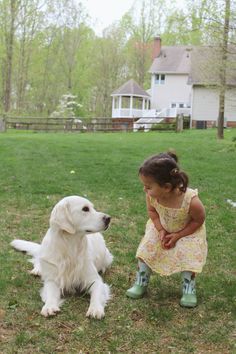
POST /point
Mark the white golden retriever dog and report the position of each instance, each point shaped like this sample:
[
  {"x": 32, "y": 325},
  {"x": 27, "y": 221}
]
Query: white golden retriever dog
[{"x": 71, "y": 254}]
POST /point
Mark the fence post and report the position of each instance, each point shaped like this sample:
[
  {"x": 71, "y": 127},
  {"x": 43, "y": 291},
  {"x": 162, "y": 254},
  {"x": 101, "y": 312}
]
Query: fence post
[
  {"x": 179, "y": 123},
  {"x": 2, "y": 125}
]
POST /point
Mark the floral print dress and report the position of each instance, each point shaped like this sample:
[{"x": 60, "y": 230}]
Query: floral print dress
[{"x": 189, "y": 253}]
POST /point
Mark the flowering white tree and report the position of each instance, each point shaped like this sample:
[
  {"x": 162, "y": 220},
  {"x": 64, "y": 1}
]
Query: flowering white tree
[{"x": 67, "y": 107}]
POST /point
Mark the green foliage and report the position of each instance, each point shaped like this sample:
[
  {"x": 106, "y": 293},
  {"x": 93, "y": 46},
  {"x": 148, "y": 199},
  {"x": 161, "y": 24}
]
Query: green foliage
[
  {"x": 37, "y": 173},
  {"x": 55, "y": 50},
  {"x": 163, "y": 126},
  {"x": 67, "y": 107}
]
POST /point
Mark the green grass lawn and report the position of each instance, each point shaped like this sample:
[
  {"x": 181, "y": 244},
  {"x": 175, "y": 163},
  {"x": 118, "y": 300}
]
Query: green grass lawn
[{"x": 36, "y": 173}]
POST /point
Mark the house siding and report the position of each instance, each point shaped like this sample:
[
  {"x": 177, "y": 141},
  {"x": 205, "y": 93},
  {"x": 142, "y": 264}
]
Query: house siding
[
  {"x": 175, "y": 89},
  {"x": 205, "y": 105},
  {"x": 230, "y": 111}
]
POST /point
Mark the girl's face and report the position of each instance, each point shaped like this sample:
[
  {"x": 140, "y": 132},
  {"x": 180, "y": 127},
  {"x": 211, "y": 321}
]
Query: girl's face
[{"x": 152, "y": 188}]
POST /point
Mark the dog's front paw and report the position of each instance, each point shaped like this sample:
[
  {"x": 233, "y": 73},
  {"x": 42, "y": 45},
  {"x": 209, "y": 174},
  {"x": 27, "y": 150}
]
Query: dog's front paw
[
  {"x": 35, "y": 272},
  {"x": 49, "y": 310},
  {"x": 95, "y": 312}
]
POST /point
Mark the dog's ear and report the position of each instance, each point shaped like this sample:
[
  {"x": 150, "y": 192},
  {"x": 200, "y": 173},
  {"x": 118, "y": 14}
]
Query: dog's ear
[{"x": 61, "y": 217}]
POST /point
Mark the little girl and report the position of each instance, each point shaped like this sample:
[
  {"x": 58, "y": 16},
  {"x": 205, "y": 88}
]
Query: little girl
[{"x": 175, "y": 236}]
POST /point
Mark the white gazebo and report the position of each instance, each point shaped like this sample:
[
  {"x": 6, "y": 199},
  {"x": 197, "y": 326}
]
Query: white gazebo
[{"x": 130, "y": 101}]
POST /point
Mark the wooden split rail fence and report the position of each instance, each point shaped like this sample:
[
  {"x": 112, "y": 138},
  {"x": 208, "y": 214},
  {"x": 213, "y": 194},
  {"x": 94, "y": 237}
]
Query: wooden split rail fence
[{"x": 75, "y": 125}]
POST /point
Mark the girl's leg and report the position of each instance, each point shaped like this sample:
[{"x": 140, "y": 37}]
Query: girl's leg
[
  {"x": 142, "y": 278},
  {"x": 189, "y": 298}
]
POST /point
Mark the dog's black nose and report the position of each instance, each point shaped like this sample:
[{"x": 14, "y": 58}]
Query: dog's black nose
[{"x": 107, "y": 220}]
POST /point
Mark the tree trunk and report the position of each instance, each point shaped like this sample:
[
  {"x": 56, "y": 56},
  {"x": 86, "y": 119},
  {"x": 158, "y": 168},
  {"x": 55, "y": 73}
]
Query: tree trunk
[
  {"x": 9, "y": 47},
  {"x": 223, "y": 78}
]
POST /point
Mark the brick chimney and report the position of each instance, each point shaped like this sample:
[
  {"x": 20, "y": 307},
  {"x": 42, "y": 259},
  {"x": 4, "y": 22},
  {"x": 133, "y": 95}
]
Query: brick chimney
[{"x": 156, "y": 50}]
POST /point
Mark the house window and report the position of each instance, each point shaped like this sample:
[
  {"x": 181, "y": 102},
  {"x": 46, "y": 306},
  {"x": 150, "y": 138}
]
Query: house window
[
  {"x": 178, "y": 105},
  {"x": 159, "y": 79}
]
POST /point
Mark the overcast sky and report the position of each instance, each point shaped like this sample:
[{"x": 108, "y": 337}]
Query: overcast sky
[{"x": 105, "y": 12}]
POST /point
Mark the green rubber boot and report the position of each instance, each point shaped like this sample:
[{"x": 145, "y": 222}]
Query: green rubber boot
[
  {"x": 140, "y": 286},
  {"x": 189, "y": 298}
]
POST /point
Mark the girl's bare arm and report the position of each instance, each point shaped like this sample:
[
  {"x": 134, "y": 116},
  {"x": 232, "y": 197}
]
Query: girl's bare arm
[
  {"x": 153, "y": 214},
  {"x": 197, "y": 213}
]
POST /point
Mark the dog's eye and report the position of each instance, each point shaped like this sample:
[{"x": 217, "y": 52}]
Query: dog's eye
[{"x": 85, "y": 208}]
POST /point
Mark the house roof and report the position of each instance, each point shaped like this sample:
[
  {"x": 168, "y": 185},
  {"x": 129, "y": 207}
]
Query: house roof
[
  {"x": 173, "y": 59},
  {"x": 206, "y": 66},
  {"x": 130, "y": 88},
  {"x": 201, "y": 63}
]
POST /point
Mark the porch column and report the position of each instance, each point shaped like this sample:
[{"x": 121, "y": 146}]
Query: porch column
[
  {"x": 131, "y": 106},
  {"x": 113, "y": 106},
  {"x": 120, "y": 105},
  {"x": 143, "y": 105}
]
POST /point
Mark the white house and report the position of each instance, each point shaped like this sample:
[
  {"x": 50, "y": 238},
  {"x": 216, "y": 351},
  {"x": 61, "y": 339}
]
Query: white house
[
  {"x": 169, "y": 79},
  {"x": 184, "y": 81},
  {"x": 204, "y": 78}
]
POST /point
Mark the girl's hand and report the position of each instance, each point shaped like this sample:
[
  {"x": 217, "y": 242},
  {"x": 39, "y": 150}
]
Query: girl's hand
[
  {"x": 170, "y": 240},
  {"x": 162, "y": 235}
]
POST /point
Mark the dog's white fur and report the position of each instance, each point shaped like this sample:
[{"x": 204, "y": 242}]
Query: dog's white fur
[{"x": 71, "y": 254}]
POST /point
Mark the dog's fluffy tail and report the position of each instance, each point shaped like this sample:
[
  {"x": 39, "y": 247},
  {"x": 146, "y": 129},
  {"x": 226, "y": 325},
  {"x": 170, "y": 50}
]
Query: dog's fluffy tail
[{"x": 32, "y": 248}]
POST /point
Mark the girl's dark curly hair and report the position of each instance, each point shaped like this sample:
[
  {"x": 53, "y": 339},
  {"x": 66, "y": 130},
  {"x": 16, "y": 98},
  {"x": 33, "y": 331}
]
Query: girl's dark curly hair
[{"x": 164, "y": 169}]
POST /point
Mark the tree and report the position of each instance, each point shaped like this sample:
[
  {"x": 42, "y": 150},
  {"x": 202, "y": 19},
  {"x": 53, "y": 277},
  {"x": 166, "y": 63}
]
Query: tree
[
  {"x": 8, "y": 10},
  {"x": 221, "y": 35},
  {"x": 211, "y": 23},
  {"x": 108, "y": 68},
  {"x": 142, "y": 23},
  {"x": 20, "y": 23},
  {"x": 187, "y": 25},
  {"x": 29, "y": 24},
  {"x": 67, "y": 107},
  {"x": 72, "y": 28},
  {"x": 223, "y": 77}
]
